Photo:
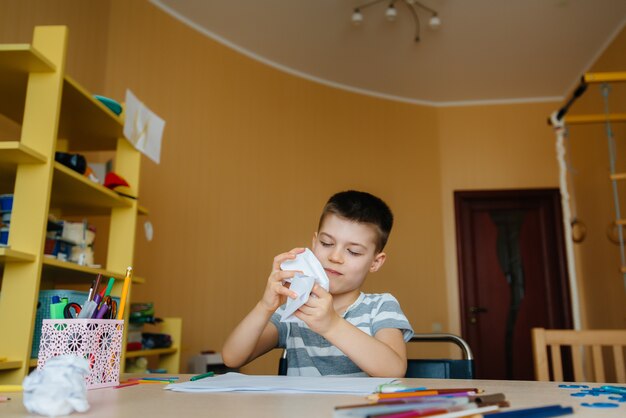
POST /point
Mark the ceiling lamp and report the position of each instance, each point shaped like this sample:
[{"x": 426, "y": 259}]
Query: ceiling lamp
[{"x": 391, "y": 12}]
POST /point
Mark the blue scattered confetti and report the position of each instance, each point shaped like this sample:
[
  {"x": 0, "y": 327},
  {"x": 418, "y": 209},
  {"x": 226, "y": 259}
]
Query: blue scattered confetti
[
  {"x": 613, "y": 393},
  {"x": 573, "y": 386},
  {"x": 600, "y": 405}
]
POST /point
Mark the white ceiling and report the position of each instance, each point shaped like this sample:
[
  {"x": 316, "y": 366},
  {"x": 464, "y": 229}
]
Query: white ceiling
[{"x": 485, "y": 50}]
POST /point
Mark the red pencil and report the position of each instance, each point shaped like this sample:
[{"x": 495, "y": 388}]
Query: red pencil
[{"x": 123, "y": 385}]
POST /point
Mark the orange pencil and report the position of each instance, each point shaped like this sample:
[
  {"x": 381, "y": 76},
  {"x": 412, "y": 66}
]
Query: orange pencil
[{"x": 427, "y": 392}]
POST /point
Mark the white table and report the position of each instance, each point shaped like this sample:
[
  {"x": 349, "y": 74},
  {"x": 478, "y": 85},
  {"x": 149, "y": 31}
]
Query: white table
[{"x": 151, "y": 400}]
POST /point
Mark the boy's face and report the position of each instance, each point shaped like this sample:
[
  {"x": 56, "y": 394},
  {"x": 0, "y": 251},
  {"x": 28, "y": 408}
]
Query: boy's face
[{"x": 347, "y": 251}]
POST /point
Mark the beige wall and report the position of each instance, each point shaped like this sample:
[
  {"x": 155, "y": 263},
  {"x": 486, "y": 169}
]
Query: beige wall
[
  {"x": 250, "y": 155},
  {"x": 490, "y": 147}
]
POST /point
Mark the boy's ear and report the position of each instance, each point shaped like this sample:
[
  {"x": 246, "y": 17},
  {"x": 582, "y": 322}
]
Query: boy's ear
[
  {"x": 378, "y": 262},
  {"x": 313, "y": 240}
]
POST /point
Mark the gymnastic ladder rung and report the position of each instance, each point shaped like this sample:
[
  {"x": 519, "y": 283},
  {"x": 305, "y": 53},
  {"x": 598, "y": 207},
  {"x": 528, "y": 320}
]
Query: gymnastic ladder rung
[
  {"x": 595, "y": 118},
  {"x": 618, "y": 176},
  {"x": 607, "y": 77}
]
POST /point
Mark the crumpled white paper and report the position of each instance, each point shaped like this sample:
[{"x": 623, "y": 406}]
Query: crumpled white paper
[
  {"x": 302, "y": 284},
  {"x": 59, "y": 388}
]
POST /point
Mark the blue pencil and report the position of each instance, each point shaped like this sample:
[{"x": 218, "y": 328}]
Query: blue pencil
[{"x": 540, "y": 412}]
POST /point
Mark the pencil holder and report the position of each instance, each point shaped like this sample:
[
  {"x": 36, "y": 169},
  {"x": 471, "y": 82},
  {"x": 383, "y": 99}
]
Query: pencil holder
[
  {"x": 99, "y": 341},
  {"x": 43, "y": 310}
]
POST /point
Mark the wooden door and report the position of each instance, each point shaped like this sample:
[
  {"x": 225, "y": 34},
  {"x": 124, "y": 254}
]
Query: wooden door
[{"x": 512, "y": 275}]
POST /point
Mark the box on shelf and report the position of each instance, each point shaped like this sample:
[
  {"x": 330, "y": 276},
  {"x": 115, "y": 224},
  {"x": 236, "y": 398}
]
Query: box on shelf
[
  {"x": 78, "y": 233},
  {"x": 4, "y": 236},
  {"x": 6, "y": 202},
  {"x": 58, "y": 248},
  {"x": 99, "y": 341}
]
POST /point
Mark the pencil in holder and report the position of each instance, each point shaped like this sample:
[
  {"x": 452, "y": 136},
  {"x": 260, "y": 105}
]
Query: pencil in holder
[{"x": 99, "y": 341}]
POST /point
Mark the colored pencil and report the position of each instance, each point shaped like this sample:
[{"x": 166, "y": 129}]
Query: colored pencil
[
  {"x": 539, "y": 412},
  {"x": 428, "y": 392},
  {"x": 123, "y": 385}
]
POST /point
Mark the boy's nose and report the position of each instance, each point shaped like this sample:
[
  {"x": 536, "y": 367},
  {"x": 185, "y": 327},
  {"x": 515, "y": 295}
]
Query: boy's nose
[{"x": 335, "y": 256}]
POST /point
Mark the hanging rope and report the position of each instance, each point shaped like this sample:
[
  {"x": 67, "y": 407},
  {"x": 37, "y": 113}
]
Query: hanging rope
[{"x": 556, "y": 120}]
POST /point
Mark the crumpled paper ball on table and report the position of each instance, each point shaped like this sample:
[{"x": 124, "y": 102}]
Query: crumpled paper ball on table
[{"x": 59, "y": 388}]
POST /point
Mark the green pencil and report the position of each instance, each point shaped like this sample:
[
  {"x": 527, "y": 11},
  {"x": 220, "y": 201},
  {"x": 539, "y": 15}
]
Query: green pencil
[{"x": 202, "y": 376}]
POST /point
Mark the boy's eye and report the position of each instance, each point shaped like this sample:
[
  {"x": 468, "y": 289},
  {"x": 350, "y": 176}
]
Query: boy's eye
[
  {"x": 354, "y": 252},
  {"x": 325, "y": 244}
]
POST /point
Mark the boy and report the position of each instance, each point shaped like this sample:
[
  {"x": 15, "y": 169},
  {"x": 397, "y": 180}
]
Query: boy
[{"x": 345, "y": 332}]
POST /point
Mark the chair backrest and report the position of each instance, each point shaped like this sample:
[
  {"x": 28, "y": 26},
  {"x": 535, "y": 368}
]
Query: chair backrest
[
  {"x": 427, "y": 368},
  {"x": 587, "y": 353},
  {"x": 282, "y": 364},
  {"x": 442, "y": 368}
]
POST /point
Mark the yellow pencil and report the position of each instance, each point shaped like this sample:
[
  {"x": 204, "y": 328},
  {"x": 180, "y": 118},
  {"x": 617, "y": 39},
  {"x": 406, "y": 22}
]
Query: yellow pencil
[{"x": 124, "y": 297}]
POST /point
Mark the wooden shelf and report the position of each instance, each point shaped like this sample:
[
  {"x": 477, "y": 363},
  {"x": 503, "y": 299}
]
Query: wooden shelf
[
  {"x": 8, "y": 254},
  {"x": 16, "y": 62},
  {"x": 14, "y": 152},
  {"x": 10, "y": 365},
  {"x": 23, "y": 58},
  {"x": 153, "y": 352},
  {"x": 86, "y": 122},
  {"x": 72, "y": 191},
  {"x": 66, "y": 271}
]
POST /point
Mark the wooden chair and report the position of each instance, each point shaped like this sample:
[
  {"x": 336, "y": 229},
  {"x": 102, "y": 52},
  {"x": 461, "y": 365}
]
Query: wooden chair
[{"x": 581, "y": 343}]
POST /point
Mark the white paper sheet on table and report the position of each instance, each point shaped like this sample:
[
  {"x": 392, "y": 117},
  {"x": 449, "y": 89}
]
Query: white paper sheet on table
[
  {"x": 312, "y": 272},
  {"x": 237, "y": 382},
  {"x": 143, "y": 128}
]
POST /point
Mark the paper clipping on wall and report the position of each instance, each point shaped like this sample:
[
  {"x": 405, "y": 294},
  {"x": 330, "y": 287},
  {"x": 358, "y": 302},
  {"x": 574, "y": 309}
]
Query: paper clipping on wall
[{"x": 143, "y": 128}]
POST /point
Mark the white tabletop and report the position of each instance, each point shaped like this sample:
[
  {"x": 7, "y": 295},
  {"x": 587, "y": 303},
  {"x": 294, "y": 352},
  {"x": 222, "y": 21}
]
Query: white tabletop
[{"x": 151, "y": 400}]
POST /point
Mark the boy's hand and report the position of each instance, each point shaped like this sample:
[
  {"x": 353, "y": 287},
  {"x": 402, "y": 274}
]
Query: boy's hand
[
  {"x": 276, "y": 291},
  {"x": 318, "y": 312}
]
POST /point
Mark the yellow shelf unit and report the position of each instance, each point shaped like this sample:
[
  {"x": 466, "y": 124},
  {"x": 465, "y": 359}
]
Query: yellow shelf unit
[{"x": 55, "y": 113}]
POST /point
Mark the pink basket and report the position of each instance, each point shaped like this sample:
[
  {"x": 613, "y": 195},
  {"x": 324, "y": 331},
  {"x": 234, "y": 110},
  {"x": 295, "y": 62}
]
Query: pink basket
[{"x": 99, "y": 341}]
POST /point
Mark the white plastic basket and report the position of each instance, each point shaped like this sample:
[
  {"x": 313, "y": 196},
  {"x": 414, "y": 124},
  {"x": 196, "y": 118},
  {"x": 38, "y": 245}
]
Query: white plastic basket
[{"x": 99, "y": 341}]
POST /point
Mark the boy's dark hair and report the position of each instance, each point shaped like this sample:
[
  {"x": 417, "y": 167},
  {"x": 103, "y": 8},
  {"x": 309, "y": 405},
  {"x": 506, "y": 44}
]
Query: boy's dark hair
[{"x": 361, "y": 207}]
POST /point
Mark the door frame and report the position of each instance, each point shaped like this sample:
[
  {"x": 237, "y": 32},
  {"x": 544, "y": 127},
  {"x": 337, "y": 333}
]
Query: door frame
[{"x": 473, "y": 198}]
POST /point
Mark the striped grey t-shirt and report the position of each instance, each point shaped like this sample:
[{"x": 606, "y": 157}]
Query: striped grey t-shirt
[{"x": 310, "y": 354}]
